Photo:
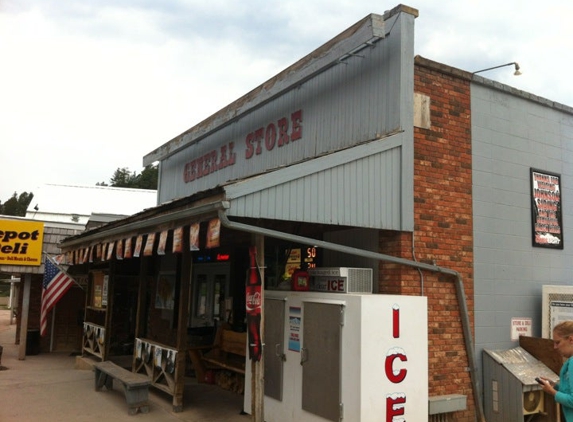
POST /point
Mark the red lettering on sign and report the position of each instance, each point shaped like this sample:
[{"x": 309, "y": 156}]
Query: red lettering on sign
[
  {"x": 394, "y": 406},
  {"x": 392, "y": 375},
  {"x": 396, "y": 321},
  {"x": 274, "y": 135},
  {"x": 296, "y": 120},
  {"x": 336, "y": 285},
  {"x": 209, "y": 163},
  {"x": 395, "y": 403},
  {"x": 270, "y": 136},
  {"x": 283, "y": 131}
]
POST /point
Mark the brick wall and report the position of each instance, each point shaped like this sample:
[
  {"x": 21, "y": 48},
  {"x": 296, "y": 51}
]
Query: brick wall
[
  {"x": 442, "y": 228},
  {"x": 443, "y": 223}
]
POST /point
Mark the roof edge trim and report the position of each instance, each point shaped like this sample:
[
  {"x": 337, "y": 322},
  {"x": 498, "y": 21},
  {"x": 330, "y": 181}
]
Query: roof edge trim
[
  {"x": 362, "y": 34},
  {"x": 211, "y": 207}
]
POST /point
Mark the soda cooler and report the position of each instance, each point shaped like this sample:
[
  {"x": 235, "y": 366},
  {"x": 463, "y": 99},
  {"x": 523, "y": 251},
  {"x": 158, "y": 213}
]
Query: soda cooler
[{"x": 344, "y": 357}]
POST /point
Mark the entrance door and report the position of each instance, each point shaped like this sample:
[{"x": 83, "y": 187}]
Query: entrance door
[
  {"x": 274, "y": 347},
  {"x": 320, "y": 359},
  {"x": 210, "y": 285},
  {"x": 68, "y": 321}
]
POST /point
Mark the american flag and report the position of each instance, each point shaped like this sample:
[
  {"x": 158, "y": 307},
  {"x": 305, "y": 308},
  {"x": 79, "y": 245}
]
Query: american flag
[{"x": 56, "y": 283}]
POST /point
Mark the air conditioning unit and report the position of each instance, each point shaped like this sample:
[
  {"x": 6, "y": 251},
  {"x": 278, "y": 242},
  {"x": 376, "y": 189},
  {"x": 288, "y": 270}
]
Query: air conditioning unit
[
  {"x": 532, "y": 402},
  {"x": 341, "y": 279}
]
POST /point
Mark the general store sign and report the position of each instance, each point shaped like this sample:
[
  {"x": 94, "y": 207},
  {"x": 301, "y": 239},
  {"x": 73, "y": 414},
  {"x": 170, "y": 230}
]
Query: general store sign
[{"x": 21, "y": 242}]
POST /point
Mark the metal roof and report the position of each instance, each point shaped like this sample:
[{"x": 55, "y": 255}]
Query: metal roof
[{"x": 77, "y": 203}]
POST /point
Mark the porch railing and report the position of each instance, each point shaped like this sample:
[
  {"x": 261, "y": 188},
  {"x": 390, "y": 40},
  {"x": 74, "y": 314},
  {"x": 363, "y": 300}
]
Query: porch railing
[
  {"x": 158, "y": 362},
  {"x": 94, "y": 339}
]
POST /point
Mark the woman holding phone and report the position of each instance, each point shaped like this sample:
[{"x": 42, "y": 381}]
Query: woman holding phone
[{"x": 563, "y": 390}]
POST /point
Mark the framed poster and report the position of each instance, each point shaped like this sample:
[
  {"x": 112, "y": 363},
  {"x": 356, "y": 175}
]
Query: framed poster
[
  {"x": 165, "y": 296},
  {"x": 546, "y": 215}
]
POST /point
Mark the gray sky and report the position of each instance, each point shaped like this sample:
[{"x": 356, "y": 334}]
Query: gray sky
[{"x": 87, "y": 87}]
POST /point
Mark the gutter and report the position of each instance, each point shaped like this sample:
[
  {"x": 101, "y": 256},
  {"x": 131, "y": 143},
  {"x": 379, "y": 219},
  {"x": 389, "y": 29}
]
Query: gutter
[{"x": 460, "y": 291}]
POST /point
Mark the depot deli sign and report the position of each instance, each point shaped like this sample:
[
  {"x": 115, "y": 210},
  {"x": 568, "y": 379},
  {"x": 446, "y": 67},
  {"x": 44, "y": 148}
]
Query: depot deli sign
[{"x": 21, "y": 242}]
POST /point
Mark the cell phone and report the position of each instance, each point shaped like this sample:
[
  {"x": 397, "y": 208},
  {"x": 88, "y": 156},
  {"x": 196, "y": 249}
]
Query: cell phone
[{"x": 540, "y": 381}]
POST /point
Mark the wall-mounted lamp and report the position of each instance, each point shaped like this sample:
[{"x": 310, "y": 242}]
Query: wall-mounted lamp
[{"x": 516, "y": 73}]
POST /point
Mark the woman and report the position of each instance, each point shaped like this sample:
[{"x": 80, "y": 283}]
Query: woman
[{"x": 563, "y": 391}]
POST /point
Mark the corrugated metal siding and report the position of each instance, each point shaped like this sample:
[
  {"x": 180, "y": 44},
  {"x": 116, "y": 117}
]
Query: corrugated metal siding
[
  {"x": 358, "y": 100},
  {"x": 357, "y": 187}
]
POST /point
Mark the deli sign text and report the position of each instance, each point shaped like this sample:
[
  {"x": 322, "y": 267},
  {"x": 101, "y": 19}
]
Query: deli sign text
[{"x": 21, "y": 242}]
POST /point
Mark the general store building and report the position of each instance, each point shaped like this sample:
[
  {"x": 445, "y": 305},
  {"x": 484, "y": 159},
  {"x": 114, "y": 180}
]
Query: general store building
[{"x": 360, "y": 155}]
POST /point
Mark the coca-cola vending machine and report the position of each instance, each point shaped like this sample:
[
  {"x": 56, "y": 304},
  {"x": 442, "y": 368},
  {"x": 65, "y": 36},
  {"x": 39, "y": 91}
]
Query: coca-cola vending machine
[{"x": 344, "y": 356}]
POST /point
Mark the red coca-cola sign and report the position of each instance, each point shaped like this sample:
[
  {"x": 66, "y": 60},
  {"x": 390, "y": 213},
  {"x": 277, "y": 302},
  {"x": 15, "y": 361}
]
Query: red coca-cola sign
[
  {"x": 254, "y": 302},
  {"x": 253, "y": 299}
]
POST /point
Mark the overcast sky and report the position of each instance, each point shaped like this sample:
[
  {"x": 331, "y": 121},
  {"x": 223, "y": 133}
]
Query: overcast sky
[{"x": 87, "y": 87}]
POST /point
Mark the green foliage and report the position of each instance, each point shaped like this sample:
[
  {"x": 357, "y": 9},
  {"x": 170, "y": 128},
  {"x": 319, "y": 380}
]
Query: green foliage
[
  {"x": 148, "y": 178},
  {"x": 17, "y": 205},
  {"x": 124, "y": 178}
]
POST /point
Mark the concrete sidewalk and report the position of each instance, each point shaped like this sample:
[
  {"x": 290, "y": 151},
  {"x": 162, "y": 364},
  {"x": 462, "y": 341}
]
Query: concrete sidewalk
[{"x": 47, "y": 388}]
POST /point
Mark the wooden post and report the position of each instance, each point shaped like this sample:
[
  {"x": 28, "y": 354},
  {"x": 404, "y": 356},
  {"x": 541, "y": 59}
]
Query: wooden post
[
  {"x": 257, "y": 368},
  {"x": 184, "y": 286},
  {"x": 108, "y": 311},
  {"x": 24, "y": 316},
  {"x": 141, "y": 301}
]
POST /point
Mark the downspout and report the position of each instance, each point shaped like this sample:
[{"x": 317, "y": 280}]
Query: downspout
[{"x": 460, "y": 291}]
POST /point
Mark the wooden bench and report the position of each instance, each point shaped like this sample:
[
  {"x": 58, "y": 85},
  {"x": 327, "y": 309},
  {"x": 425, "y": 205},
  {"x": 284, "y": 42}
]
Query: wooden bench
[
  {"x": 227, "y": 352},
  {"x": 136, "y": 386}
]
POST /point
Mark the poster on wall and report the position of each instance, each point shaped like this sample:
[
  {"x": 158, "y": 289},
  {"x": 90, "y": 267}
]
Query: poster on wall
[
  {"x": 104, "y": 290},
  {"x": 560, "y": 310},
  {"x": 546, "y": 215},
  {"x": 294, "y": 320},
  {"x": 165, "y": 296}
]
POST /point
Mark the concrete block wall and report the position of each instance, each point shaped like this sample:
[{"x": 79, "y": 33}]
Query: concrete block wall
[{"x": 512, "y": 132}]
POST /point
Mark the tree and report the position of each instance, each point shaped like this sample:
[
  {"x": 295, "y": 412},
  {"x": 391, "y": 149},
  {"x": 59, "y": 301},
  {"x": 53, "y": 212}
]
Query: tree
[
  {"x": 148, "y": 177},
  {"x": 17, "y": 205},
  {"x": 124, "y": 178}
]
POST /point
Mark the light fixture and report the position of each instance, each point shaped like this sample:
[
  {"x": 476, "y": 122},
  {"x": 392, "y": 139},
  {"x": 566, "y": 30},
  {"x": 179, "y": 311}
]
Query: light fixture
[{"x": 516, "y": 73}]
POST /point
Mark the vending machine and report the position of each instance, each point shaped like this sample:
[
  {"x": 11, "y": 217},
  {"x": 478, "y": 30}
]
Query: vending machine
[{"x": 344, "y": 357}]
